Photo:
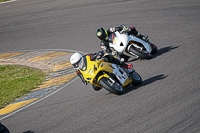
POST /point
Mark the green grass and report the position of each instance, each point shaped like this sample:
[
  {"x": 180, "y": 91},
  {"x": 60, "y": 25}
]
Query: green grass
[
  {"x": 15, "y": 81},
  {"x": 4, "y": 0}
]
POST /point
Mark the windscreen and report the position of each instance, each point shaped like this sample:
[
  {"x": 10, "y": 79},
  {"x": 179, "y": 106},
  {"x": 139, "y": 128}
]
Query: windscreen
[{"x": 83, "y": 64}]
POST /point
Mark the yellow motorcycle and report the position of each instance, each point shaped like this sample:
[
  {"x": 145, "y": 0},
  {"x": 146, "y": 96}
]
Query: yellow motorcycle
[{"x": 110, "y": 76}]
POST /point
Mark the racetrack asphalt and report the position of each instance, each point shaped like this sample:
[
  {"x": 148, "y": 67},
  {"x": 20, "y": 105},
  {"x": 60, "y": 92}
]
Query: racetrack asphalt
[{"x": 166, "y": 102}]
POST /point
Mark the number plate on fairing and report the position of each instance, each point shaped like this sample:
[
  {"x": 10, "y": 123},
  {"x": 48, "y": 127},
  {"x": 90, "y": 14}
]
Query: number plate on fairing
[{"x": 120, "y": 74}]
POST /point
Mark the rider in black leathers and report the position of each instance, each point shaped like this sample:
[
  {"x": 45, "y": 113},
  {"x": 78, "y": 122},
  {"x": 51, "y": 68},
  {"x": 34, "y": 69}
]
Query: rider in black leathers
[{"x": 103, "y": 35}]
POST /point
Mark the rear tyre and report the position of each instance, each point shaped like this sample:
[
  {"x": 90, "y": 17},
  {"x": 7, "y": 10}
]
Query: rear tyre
[
  {"x": 154, "y": 48},
  {"x": 140, "y": 53},
  {"x": 137, "y": 80},
  {"x": 111, "y": 86}
]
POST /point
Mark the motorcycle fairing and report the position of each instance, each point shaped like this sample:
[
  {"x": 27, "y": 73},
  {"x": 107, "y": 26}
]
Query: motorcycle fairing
[
  {"x": 140, "y": 41},
  {"x": 95, "y": 67},
  {"x": 90, "y": 69},
  {"x": 120, "y": 42}
]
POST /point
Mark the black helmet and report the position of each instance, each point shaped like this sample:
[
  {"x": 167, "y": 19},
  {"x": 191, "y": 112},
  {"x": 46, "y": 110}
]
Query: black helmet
[{"x": 102, "y": 34}]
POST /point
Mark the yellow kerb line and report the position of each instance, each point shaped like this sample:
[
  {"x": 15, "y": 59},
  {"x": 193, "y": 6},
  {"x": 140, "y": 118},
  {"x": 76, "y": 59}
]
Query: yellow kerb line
[
  {"x": 48, "y": 56},
  {"x": 61, "y": 66},
  {"x": 9, "y": 55},
  {"x": 56, "y": 81},
  {"x": 12, "y": 107}
]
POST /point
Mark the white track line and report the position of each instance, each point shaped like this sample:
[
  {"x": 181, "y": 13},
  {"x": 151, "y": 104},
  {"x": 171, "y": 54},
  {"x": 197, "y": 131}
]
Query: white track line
[{"x": 7, "y": 1}]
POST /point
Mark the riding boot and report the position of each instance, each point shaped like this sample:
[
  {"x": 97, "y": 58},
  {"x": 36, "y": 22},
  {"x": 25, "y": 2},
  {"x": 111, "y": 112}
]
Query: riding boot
[
  {"x": 128, "y": 67},
  {"x": 132, "y": 30},
  {"x": 143, "y": 37}
]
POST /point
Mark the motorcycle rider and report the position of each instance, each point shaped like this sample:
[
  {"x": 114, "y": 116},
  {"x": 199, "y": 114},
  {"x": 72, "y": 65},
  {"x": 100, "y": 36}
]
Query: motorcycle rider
[
  {"x": 103, "y": 35},
  {"x": 76, "y": 58}
]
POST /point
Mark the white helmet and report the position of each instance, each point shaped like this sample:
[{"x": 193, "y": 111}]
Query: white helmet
[{"x": 75, "y": 59}]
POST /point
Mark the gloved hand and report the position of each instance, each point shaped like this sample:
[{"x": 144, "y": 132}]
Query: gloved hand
[
  {"x": 100, "y": 54},
  {"x": 81, "y": 76},
  {"x": 145, "y": 36},
  {"x": 123, "y": 26}
]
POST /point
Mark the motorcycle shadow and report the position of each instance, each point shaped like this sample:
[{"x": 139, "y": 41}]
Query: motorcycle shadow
[
  {"x": 159, "y": 52},
  {"x": 29, "y": 131},
  {"x": 3, "y": 129},
  {"x": 145, "y": 82},
  {"x": 164, "y": 50}
]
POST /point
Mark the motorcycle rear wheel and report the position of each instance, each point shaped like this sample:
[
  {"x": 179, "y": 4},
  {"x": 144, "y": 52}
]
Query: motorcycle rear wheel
[
  {"x": 112, "y": 87},
  {"x": 154, "y": 48},
  {"x": 139, "y": 53}
]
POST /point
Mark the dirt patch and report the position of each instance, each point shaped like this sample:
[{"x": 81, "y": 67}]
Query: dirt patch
[{"x": 32, "y": 64}]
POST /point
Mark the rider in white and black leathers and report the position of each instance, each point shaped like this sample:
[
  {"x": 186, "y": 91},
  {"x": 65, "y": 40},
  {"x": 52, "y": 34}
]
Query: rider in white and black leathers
[{"x": 103, "y": 35}]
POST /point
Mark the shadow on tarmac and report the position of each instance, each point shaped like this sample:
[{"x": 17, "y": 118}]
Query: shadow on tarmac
[
  {"x": 164, "y": 50},
  {"x": 3, "y": 129},
  {"x": 145, "y": 82},
  {"x": 159, "y": 52},
  {"x": 29, "y": 132}
]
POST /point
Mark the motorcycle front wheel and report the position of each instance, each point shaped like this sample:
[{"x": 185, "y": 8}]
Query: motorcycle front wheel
[
  {"x": 111, "y": 86},
  {"x": 136, "y": 79},
  {"x": 138, "y": 52}
]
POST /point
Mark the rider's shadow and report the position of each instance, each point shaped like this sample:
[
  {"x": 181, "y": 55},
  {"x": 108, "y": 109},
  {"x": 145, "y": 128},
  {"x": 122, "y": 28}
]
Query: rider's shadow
[
  {"x": 159, "y": 52},
  {"x": 145, "y": 82},
  {"x": 28, "y": 131}
]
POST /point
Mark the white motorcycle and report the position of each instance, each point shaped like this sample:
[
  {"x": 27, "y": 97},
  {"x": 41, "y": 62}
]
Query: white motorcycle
[{"x": 126, "y": 44}]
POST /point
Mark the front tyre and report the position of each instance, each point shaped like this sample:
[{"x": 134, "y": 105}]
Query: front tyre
[
  {"x": 111, "y": 86},
  {"x": 140, "y": 53},
  {"x": 136, "y": 79}
]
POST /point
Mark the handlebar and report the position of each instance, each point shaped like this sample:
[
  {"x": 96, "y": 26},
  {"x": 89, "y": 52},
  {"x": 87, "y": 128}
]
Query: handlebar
[{"x": 124, "y": 29}]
